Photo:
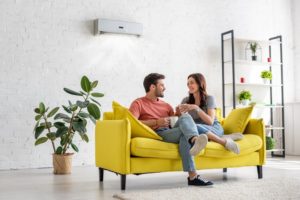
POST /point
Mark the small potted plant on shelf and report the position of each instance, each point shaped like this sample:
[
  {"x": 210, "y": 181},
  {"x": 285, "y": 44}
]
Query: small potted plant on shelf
[
  {"x": 270, "y": 143},
  {"x": 253, "y": 47},
  {"x": 245, "y": 97},
  {"x": 61, "y": 128},
  {"x": 266, "y": 75}
]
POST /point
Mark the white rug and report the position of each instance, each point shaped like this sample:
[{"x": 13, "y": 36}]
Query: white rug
[
  {"x": 283, "y": 184},
  {"x": 284, "y": 188}
]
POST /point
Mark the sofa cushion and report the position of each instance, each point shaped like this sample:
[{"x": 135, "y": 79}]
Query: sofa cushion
[
  {"x": 248, "y": 144},
  {"x": 237, "y": 120},
  {"x": 138, "y": 129},
  {"x": 149, "y": 148}
]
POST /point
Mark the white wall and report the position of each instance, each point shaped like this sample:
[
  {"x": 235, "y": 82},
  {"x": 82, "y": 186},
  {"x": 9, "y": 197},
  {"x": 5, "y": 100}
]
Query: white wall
[
  {"x": 48, "y": 45},
  {"x": 296, "y": 24}
]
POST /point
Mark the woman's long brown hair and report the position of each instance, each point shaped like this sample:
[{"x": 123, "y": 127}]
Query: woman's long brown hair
[{"x": 200, "y": 80}]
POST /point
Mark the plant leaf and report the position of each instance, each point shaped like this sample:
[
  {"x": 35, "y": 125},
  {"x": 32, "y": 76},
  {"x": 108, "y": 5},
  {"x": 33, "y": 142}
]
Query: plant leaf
[
  {"x": 72, "y": 92},
  {"x": 94, "y": 84},
  {"x": 59, "y": 124},
  {"x": 51, "y": 136},
  {"x": 97, "y": 94},
  {"x": 53, "y": 111},
  {"x": 79, "y": 126},
  {"x": 67, "y": 109},
  {"x": 74, "y": 147},
  {"x": 36, "y": 125},
  {"x": 82, "y": 104},
  {"x": 38, "y": 117},
  {"x": 37, "y": 110},
  {"x": 42, "y": 108},
  {"x": 61, "y": 116},
  {"x": 61, "y": 131},
  {"x": 84, "y": 137},
  {"x": 40, "y": 141},
  {"x": 83, "y": 114},
  {"x": 74, "y": 107},
  {"x": 86, "y": 84},
  {"x": 48, "y": 125},
  {"x": 94, "y": 110},
  {"x": 38, "y": 131},
  {"x": 95, "y": 101},
  {"x": 58, "y": 150}
]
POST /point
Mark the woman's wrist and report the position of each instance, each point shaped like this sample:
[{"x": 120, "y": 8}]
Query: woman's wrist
[{"x": 198, "y": 109}]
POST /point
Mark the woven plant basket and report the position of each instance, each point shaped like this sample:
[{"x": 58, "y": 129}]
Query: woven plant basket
[{"x": 62, "y": 164}]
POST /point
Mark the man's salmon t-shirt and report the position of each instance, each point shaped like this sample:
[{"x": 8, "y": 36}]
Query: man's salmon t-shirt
[{"x": 145, "y": 109}]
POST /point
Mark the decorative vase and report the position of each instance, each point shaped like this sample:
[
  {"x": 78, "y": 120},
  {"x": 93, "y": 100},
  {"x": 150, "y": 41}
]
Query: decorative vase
[
  {"x": 254, "y": 58},
  {"x": 245, "y": 102},
  {"x": 62, "y": 164}
]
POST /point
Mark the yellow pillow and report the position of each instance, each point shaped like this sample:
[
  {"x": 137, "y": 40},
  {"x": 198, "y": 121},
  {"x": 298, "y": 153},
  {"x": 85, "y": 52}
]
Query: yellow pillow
[
  {"x": 138, "y": 129},
  {"x": 237, "y": 120},
  {"x": 219, "y": 115}
]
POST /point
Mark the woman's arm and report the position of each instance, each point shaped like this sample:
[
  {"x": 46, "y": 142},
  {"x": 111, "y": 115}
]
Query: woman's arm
[{"x": 207, "y": 118}]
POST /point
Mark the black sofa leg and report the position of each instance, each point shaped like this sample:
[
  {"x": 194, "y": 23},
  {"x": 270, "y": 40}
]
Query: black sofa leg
[
  {"x": 259, "y": 171},
  {"x": 101, "y": 170},
  {"x": 224, "y": 170},
  {"x": 123, "y": 182}
]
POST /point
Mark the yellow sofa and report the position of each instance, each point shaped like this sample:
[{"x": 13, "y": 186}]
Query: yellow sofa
[{"x": 117, "y": 151}]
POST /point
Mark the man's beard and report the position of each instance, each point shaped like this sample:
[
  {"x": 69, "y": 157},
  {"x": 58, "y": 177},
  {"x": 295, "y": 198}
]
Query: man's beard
[{"x": 159, "y": 94}]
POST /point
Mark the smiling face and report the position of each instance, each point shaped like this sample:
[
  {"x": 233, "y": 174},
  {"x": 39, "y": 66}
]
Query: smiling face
[{"x": 192, "y": 85}]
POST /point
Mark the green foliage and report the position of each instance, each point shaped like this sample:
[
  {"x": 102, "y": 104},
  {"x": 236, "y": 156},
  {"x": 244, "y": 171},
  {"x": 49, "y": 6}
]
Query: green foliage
[
  {"x": 253, "y": 47},
  {"x": 244, "y": 95},
  {"x": 270, "y": 143},
  {"x": 61, "y": 127},
  {"x": 266, "y": 74}
]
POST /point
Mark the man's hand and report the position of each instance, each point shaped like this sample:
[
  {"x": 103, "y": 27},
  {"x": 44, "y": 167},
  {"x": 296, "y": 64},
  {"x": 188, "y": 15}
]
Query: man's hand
[{"x": 163, "y": 122}]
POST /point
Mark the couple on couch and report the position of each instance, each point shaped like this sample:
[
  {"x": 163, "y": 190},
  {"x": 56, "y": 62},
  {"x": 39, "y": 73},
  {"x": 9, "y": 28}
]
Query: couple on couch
[{"x": 196, "y": 125}]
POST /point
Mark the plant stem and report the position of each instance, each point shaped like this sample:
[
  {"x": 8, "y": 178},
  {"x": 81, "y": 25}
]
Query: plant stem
[{"x": 46, "y": 122}]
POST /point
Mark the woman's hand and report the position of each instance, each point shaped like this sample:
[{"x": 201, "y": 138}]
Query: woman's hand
[{"x": 183, "y": 108}]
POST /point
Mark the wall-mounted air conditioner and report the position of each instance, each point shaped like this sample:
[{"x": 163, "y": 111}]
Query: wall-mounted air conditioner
[{"x": 116, "y": 26}]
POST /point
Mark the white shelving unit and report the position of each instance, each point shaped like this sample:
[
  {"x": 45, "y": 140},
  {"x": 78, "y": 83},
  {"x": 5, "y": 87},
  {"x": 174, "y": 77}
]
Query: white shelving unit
[{"x": 235, "y": 61}]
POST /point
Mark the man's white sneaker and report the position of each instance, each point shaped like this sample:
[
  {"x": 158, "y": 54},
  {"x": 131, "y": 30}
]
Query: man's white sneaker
[{"x": 199, "y": 144}]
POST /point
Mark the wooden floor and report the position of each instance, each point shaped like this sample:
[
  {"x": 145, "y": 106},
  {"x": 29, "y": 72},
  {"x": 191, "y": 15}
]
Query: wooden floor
[{"x": 41, "y": 184}]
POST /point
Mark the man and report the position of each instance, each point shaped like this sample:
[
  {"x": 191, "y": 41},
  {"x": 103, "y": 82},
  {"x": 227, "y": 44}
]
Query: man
[{"x": 155, "y": 113}]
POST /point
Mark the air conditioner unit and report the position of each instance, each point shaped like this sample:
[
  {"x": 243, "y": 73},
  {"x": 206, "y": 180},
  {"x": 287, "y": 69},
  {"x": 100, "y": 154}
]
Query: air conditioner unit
[{"x": 116, "y": 26}]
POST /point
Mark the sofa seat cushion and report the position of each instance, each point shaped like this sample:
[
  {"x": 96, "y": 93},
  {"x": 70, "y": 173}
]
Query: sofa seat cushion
[
  {"x": 150, "y": 148},
  {"x": 250, "y": 143}
]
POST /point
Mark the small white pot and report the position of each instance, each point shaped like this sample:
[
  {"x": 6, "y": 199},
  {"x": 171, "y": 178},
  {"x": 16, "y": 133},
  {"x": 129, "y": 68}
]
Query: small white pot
[
  {"x": 245, "y": 102},
  {"x": 266, "y": 81}
]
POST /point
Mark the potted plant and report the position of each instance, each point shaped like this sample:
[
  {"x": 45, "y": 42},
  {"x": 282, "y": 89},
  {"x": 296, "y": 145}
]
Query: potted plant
[
  {"x": 61, "y": 128},
  {"x": 245, "y": 97},
  {"x": 270, "y": 143},
  {"x": 253, "y": 47},
  {"x": 266, "y": 75}
]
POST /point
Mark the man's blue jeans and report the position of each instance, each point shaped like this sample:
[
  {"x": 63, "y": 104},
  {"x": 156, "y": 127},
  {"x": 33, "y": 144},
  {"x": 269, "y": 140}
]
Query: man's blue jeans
[{"x": 183, "y": 130}]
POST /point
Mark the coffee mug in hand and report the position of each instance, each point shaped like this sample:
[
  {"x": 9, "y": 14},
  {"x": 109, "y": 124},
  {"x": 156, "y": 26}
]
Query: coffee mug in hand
[{"x": 173, "y": 120}]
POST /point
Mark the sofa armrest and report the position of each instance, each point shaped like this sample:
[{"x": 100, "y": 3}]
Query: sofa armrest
[
  {"x": 112, "y": 145},
  {"x": 257, "y": 127}
]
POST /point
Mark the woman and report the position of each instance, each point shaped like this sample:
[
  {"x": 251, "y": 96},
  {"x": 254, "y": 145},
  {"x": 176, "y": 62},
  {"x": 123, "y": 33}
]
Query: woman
[{"x": 202, "y": 108}]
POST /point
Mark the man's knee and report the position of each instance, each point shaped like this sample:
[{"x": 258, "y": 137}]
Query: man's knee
[{"x": 185, "y": 116}]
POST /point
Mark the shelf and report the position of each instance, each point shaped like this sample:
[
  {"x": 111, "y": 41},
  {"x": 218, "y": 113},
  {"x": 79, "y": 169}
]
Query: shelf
[
  {"x": 250, "y": 62},
  {"x": 245, "y": 40},
  {"x": 257, "y": 106},
  {"x": 274, "y": 128},
  {"x": 273, "y": 150},
  {"x": 254, "y": 84}
]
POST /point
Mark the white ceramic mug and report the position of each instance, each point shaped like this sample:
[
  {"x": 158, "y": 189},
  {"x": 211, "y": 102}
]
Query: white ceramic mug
[{"x": 173, "y": 120}]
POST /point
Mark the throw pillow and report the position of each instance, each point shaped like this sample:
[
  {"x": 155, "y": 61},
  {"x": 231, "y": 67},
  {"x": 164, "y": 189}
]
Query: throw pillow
[
  {"x": 138, "y": 129},
  {"x": 237, "y": 120}
]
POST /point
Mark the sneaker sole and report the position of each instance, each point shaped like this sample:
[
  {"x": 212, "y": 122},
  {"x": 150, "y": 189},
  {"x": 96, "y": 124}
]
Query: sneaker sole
[{"x": 200, "y": 143}]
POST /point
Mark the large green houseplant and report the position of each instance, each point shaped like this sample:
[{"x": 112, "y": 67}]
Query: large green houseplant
[{"x": 60, "y": 128}]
